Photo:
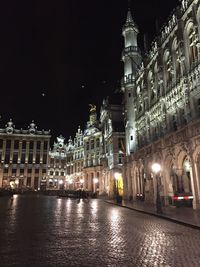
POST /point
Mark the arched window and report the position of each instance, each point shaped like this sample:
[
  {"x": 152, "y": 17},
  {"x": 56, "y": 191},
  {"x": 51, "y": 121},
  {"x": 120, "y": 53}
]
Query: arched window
[
  {"x": 175, "y": 59},
  {"x": 175, "y": 180},
  {"x": 156, "y": 80},
  {"x": 151, "y": 85},
  {"x": 193, "y": 40},
  {"x": 169, "y": 69},
  {"x": 186, "y": 176},
  {"x": 174, "y": 122},
  {"x": 139, "y": 107}
]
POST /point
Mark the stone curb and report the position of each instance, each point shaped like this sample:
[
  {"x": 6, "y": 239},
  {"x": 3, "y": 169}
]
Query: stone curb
[{"x": 156, "y": 215}]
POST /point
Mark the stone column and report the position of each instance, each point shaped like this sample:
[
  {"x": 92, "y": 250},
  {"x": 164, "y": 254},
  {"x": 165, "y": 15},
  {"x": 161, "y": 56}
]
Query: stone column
[
  {"x": 25, "y": 176},
  {"x": 4, "y": 150},
  {"x": 194, "y": 172},
  {"x": 1, "y": 175},
  {"x": 129, "y": 181},
  {"x": 134, "y": 183},
  {"x": 32, "y": 178},
  {"x": 27, "y": 152},
  {"x": 34, "y": 151},
  {"x": 180, "y": 178},
  {"x": 41, "y": 151},
  {"x": 125, "y": 183},
  {"x": 11, "y": 150},
  {"x": 100, "y": 182}
]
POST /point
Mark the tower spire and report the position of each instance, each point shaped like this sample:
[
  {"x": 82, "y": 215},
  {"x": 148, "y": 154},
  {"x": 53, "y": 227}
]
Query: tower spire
[
  {"x": 129, "y": 4},
  {"x": 129, "y": 18}
]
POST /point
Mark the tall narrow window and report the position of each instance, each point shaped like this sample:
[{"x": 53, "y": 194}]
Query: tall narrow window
[
  {"x": 16, "y": 144},
  {"x": 8, "y": 144},
  {"x": 92, "y": 144}
]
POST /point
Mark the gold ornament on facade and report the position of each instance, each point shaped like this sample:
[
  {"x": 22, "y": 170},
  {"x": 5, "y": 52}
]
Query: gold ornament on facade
[{"x": 93, "y": 108}]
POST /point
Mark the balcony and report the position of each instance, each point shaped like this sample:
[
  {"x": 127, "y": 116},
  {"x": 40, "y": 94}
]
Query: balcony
[
  {"x": 130, "y": 49},
  {"x": 128, "y": 79}
]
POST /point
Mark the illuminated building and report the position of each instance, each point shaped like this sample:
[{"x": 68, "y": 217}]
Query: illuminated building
[
  {"x": 93, "y": 149},
  {"x": 57, "y": 164},
  {"x": 112, "y": 125},
  {"x": 162, "y": 108},
  {"x": 24, "y": 156},
  {"x": 90, "y": 160},
  {"x": 75, "y": 161}
]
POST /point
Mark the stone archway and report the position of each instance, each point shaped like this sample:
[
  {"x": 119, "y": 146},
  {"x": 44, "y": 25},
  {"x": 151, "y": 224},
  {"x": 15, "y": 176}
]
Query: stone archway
[
  {"x": 169, "y": 178},
  {"x": 184, "y": 175},
  {"x": 196, "y": 158},
  {"x": 196, "y": 170}
]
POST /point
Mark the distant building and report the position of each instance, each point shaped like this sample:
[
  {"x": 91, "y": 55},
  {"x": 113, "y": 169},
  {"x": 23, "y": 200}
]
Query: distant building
[
  {"x": 162, "y": 109},
  {"x": 57, "y": 165},
  {"x": 75, "y": 176},
  {"x": 24, "y": 156},
  {"x": 113, "y": 131},
  {"x": 93, "y": 148},
  {"x": 90, "y": 160}
]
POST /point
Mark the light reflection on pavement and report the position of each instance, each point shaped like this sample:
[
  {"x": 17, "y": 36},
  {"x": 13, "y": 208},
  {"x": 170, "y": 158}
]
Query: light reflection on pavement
[{"x": 47, "y": 231}]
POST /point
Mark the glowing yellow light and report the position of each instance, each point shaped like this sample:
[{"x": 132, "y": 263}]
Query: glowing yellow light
[
  {"x": 156, "y": 167},
  {"x": 117, "y": 175},
  {"x": 95, "y": 180}
]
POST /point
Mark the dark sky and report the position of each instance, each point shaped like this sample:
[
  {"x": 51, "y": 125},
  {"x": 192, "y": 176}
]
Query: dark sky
[{"x": 68, "y": 50}]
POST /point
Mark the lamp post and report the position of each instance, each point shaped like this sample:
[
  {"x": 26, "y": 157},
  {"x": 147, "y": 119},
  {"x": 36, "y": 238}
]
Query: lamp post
[
  {"x": 118, "y": 198},
  {"x": 81, "y": 182},
  {"x": 17, "y": 182},
  {"x": 70, "y": 183},
  {"x": 61, "y": 184},
  {"x": 95, "y": 180},
  {"x": 156, "y": 169}
]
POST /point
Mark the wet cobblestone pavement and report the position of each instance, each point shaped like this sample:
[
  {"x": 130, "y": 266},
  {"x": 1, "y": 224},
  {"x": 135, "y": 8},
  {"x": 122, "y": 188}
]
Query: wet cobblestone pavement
[{"x": 46, "y": 231}]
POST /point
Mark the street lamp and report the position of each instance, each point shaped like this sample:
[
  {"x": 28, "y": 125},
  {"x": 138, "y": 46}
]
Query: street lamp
[
  {"x": 81, "y": 182},
  {"x": 156, "y": 169},
  {"x": 61, "y": 183},
  {"x": 95, "y": 180},
  {"x": 17, "y": 182},
  {"x": 70, "y": 183},
  {"x": 117, "y": 176}
]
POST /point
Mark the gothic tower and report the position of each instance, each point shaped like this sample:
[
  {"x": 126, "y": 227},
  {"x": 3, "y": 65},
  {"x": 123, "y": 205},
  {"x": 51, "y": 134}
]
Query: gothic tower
[{"x": 132, "y": 59}]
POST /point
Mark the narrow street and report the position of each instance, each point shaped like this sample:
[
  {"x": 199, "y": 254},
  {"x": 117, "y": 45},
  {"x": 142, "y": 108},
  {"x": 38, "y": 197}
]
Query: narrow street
[{"x": 47, "y": 231}]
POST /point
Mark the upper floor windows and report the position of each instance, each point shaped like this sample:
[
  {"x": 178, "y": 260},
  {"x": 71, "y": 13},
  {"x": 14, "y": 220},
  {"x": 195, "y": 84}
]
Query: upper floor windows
[
  {"x": 87, "y": 145},
  {"x": 97, "y": 142},
  {"x": 92, "y": 144},
  {"x": 193, "y": 40}
]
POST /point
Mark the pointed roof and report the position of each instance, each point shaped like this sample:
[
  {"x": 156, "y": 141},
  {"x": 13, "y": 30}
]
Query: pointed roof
[
  {"x": 130, "y": 22},
  {"x": 129, "y": 18}
]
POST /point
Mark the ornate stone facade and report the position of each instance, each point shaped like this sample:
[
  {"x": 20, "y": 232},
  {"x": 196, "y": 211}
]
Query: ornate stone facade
[
  {"x": 57, "y": 164},
  {"x": 93, "y": 148},
  {"x": 81, "y": 159},
  {"x": 162, "y": 108},
  {"x": 24, "y": 156},
  {"x": 90, "y": 160},
  {"x": 112, "y": 125}
]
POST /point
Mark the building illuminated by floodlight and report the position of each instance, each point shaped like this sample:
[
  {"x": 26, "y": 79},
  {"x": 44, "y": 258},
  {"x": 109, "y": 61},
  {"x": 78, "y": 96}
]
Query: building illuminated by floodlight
[{"x": 162, "y": 109}]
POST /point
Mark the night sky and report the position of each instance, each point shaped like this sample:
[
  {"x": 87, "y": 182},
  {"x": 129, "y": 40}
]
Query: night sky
[{"x": 56, "y": 57}]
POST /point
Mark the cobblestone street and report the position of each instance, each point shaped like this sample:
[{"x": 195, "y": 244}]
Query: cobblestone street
[{"x": 47, "y": 231}]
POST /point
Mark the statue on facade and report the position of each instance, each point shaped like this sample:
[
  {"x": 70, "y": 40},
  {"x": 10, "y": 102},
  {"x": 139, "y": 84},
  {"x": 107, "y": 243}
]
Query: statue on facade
[{"x": 93, "y": 108}]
